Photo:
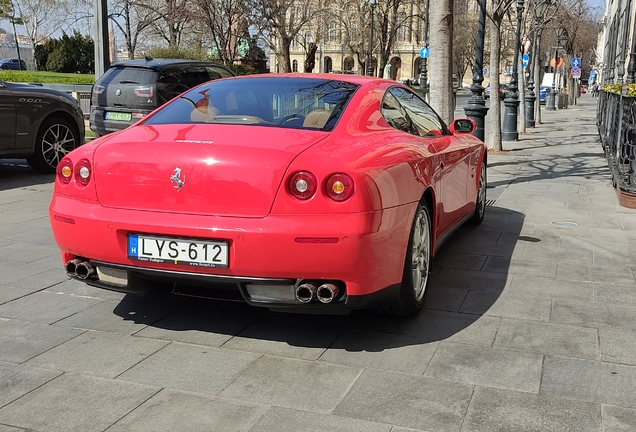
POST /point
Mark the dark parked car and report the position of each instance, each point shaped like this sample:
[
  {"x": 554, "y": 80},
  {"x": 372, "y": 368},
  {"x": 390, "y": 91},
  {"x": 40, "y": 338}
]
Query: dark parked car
[
  {"x": 130, "y": 90},
  {"x": 39, "y": 124},
  {"x": 12, "y": 64}
]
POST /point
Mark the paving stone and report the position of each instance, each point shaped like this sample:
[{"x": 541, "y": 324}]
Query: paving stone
[
  {"x": 28, "y": 252},
  {"x": 407, "y": 401},
  {"x": 444, "y": 298},
  {"x": 41, "y": 280},
  {"x": 287, "y": 420},
  {"x": 462, "y": 261},
  {"x": 433, "y": 326},
  {"x": 197, "y": 369},
  {"x": 590, "y": 381},
  {"x": 8, "y": 293},
  {"x": 466, "y": 279},
  {"x": 306, "y": 341},
  {"x": 20, "y": 340},
  {"x": 81, "y": 403},
  {"x": 96, "y": 353},
  {"x": 594, "y": 273},
  {"x": 4, "y": 428},
  {"x": 496, "y": 410},
  {"x": 617, "y": 419},
  {"x": 538, "y": 286},
  {"x": 292, "y": 383},
  {"x": 16, "y": 381},
  {"x": 80, "y": 289},
  {"x": 171, "y": 410},
  {"x": 618, "y": 345},
  {"x": 545, "y": 338},
  {"x": 507, "y": 305},
  {"x": 595, "y": 315},
  {"x": 200, "y": 327},
  {"x": 117, "y": 317},
  {"x": 384, "y": 351},
  {"x": 491, "y": 367},
  {"x": 622, "y": 295},
  {"x": 520, "y": 265},
  {"x": 44, "y": 307}
]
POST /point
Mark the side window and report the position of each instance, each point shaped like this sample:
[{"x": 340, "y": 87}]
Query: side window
[
  {"x": 425, "y": 120},
  {"x": 394, "y": 114},
  {"x": 217, "y": 72}
]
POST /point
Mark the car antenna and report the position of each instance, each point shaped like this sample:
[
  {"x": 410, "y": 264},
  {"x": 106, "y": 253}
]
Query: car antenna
[{"x": 147, "y": 57}]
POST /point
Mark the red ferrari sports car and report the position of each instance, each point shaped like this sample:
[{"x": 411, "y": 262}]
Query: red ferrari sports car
[{"x": 294, "y": 191}]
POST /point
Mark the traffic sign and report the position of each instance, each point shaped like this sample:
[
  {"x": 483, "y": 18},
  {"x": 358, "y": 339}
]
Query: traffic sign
[
  {"x": 576, "y": 72},
  {"x": 576, "y": 62},
  {"x": 592, "y": 76},
  {"x": 485, "y": 71},
  {"x": 526, "y": 60},
  {"x": 425, "y": 52}
]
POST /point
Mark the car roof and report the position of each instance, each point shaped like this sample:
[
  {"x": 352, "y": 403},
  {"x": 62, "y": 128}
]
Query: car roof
[
  {"x": 354, "y": 79},
  {"x": 163, "y": 63}
]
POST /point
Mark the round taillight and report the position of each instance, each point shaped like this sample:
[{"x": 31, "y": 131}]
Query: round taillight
[
  {"x": 65, "y": 171},
  {"x": 83, "y": 172},
  {"x": 302, "y": 185},
  {"x": 339, "y": 187}
]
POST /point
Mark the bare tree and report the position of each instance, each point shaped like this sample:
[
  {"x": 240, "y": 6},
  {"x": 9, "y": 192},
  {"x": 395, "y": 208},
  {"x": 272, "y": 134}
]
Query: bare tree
[
  {"x": 281, "y": 21},
  {"x": 170, "y": 18},
  {"x": 441, "y": 16},
  {"x": 225, "y": 23},
  {"x": 42, "y": 18},
  {"x": 132, "y": 21},
  {"x": 464, "y": 31},
  {"x": 498, "y": 10}
]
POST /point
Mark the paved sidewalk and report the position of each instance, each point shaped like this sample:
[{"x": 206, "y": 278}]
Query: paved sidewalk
[{"x": 530, "y": 325}]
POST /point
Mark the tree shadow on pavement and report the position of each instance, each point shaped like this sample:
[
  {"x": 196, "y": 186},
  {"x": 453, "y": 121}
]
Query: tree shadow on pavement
[{"x": 470, "y": 273}]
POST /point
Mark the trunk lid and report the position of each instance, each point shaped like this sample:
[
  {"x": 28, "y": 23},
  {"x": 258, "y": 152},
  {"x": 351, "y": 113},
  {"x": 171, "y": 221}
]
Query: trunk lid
[{"x": 224, "y": 170}]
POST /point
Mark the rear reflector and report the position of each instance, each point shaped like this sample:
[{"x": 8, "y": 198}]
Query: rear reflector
[
  {"x": 316, "y": 239},
  {"x": 64, "y": 219}
]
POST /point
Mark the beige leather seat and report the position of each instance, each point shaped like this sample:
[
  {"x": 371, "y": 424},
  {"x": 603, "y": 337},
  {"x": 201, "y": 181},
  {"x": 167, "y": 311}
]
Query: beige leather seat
[
  {"x": 317, "y": 119},
  {"x": 204, "y": 114}
]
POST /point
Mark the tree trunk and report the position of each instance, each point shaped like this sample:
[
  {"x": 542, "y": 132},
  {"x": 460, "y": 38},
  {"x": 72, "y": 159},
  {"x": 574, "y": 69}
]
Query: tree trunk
[
  {"x": 441, "y": 38},
  {"x": 284, "y": 60},
  {"x": 493, "y": 139},
  {"x": 538, "y": 75}
]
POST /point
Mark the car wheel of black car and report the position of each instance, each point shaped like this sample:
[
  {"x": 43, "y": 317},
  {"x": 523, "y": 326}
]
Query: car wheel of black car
[
  {"x": 55, "y": 139},
  {"x": 417, "y": 267},
  {"x": 480, "y": 208}
]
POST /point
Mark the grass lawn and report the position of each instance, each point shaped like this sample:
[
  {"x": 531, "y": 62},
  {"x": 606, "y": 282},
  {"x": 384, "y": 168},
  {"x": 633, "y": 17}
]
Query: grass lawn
[{"x": 46, "y": 77}]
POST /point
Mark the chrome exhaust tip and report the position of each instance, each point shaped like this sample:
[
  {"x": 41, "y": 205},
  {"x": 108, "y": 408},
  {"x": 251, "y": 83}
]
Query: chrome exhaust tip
[
  {"x": 84, "y": 270},
  {"x": 306, "y": 292},
  {"x": 71, "y": 267},
  {"x": 327, "y": 292}
]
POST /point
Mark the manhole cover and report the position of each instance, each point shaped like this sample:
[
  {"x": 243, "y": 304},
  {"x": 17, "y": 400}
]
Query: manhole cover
[{"x": 566, "y": 223}]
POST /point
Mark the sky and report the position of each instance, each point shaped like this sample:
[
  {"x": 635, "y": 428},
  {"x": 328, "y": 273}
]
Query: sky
[{"x": 600, "y": 4}]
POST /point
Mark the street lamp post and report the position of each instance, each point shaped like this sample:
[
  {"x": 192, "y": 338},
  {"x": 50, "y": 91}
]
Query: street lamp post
[
  {"x": 423, "y": 61},
  {"x": 370, "y": 67},
  {"x": 511, "y": 102},
  {"x": 551, "y": 98},
  {"x": 476, "y": 107},
  {"x": 631, "y": 67}
]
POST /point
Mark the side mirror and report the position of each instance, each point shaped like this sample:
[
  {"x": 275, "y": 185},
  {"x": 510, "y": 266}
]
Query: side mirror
[{"x": 463, "y": 126}]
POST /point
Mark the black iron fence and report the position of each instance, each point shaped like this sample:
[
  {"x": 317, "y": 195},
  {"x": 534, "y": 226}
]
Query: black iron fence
[{"x": 617, "y": 127}]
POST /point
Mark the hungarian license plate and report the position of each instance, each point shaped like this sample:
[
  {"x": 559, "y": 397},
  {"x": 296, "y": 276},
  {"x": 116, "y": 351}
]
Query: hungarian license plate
[
  {"x": 197, "y": 253},
  {"x": 112, "y": 115}
]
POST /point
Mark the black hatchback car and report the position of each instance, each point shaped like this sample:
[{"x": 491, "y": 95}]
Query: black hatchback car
[{"x": 130, "y": 90}]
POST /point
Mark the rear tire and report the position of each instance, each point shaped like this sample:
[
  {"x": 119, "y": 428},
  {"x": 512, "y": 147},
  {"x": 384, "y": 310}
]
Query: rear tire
[
  {"x": 417, "y": 267},
  {"x": 55, "y": 139},
  {"x": 480, "y": 205}
]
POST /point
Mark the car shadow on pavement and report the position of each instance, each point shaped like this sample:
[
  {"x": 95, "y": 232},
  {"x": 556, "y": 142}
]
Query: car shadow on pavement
[
  {"x": 470, "y": 273},
  {"x": 16, "y": 173}
]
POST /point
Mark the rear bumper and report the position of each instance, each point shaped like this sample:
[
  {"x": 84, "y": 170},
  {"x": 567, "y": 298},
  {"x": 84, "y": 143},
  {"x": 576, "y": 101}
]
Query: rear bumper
[{"x": 368, "y": 256}]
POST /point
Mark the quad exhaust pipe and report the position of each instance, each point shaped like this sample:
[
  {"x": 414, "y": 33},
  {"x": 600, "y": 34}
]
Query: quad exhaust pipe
[
  {"x": 79, "y": 269},
  {"x": 323, "y": 292}
]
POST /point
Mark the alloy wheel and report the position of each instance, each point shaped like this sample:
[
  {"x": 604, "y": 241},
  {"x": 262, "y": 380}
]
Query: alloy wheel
[
  {"x": 421, "y": 255},
  {"x": 57, "y": 142}
]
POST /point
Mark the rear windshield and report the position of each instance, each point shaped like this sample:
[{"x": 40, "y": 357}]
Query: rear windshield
[
  {"x": 301, "y": 103},
  {"x": 129, "y": 75}
]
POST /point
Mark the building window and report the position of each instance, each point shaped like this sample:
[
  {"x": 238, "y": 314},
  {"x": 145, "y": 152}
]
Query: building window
[
  {"x": 331, "y": 37},
  {"x": 401, "y": 34},
  {"x": 295, "y": 66},
  {"x": 308, "y": 38}
]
